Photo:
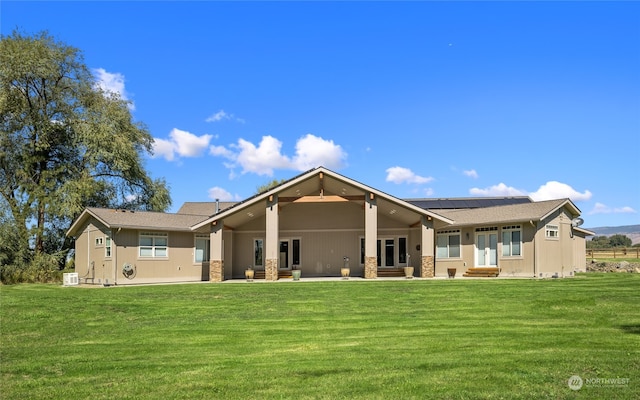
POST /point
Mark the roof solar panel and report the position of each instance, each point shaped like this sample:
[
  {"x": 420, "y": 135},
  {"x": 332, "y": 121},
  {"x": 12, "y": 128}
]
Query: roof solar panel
[{"x": 466, "y": 203}]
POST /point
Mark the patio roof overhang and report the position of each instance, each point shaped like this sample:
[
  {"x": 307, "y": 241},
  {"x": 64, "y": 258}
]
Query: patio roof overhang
[{"x": 321, "y": 185}]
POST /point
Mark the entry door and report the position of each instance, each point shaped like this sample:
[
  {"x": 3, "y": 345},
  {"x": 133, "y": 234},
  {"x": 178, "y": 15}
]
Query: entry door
[
  {"x": 486, "y": 250},
  {"x": 386, "y": 252}
]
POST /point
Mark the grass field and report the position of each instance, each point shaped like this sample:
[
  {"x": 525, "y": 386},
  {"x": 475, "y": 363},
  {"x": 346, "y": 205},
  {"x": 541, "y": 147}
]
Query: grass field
[{"x": 396, "y": 339}]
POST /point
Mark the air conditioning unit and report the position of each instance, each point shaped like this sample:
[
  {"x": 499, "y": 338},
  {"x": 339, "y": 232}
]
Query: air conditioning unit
[{"x": 70, "y": 279}]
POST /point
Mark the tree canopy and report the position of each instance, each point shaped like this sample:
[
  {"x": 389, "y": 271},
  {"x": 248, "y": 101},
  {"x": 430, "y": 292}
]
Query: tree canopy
[
  {"x": 65, "y": 144},
  {"x": 604, "y": 242}
]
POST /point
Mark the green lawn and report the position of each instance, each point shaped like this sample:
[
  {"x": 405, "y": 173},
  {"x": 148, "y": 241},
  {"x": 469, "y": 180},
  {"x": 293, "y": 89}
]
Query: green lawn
[{"x": 397, "y": 339}]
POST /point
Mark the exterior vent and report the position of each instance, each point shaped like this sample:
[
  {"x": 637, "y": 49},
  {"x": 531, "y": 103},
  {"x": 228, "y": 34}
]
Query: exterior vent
[{"x": 70, "y": 279}]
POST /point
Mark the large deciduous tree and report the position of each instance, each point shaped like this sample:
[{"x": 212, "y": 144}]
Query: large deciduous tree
[{"x": 64, "y": 144}]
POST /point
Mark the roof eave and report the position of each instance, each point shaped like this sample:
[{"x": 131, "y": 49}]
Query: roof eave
[
  {"x": 304, "y": 176},
  {"x": 585, "y": 231},
  {"x": 567, "y": 202},
  {"x": 484, "y": 223},
  {"x": 81, "y": 218}
]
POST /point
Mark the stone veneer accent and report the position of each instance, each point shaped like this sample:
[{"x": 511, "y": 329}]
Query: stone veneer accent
[
  {"x": 427, "y": 269},
  {"x": 370, "y": 267},
  {"x": 271, "y": 270},
  {"x": 216, "y": 271}
]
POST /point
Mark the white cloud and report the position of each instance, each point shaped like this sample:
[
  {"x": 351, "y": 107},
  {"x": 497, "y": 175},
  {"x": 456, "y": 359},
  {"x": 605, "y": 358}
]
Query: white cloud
[
  {"x": 112, "y": 83},
  {"x": 558, "y": 190},
  {"x": 221, "y": 194},
  {"x": 263, "y": 159},
  {"x": 497, "y": 190},
  {"x": 163, "y": 148},
  {"x": 313, "y": 151},
  {"x": 471, "y": 173},
  {"x": 549, "y": 191},
  {"x": 600, "y": 208},
  {"x": 220, "y": 115},
  {"x": 222, "y": 152},
  {"x": 400, "y": 175},
  {"x": 182, "y": 143}
]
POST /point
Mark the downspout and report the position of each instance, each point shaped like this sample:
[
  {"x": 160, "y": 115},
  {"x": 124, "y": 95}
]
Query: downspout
[
  {"x": 114, "y": 255},
  {"x": 88, "y": 249},
  {"x": 535, "y": 249}
]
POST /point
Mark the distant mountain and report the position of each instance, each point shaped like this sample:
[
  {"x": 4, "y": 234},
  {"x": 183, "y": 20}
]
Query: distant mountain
[{"x": 630, "y": 231}]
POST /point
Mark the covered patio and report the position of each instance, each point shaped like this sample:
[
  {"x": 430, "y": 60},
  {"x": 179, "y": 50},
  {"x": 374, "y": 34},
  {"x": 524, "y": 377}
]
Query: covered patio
[{"x": 314, "y": 222}]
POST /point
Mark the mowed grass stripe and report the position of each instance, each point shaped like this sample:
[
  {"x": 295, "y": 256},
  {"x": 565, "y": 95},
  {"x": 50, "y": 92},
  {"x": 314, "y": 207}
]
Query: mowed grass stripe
[{"x": 342, "y": 339}]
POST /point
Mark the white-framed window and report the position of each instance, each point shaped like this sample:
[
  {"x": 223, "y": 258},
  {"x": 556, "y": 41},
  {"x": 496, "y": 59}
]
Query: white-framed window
[
  {"x": 448, "y": 244},
  {"x": 511, "y": 241},
  {"x": 552, "y": 231},
  {"x": 107, "y": 246},
  {"x": 154, "y": 244},
  {"x": 258, "y": 252},
  {"x": 202, "y": 248},
  {"x": 99, "y": 241}
]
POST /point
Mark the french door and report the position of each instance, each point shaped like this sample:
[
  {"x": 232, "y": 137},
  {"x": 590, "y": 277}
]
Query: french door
[
  {"x": 289, "y": 253},
  {"x": 486, "y": 249}
]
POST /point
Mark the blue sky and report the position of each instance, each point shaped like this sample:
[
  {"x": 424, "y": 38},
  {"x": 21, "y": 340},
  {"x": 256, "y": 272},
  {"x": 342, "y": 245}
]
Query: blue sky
[{"x": 418, "y": 99}]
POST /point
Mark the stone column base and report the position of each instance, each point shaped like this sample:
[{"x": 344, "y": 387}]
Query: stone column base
[
  {"x": 271, "y": 270},
  {"x": 216, "y": 271},
  {"x": 427, "y": 267},
  {"x": 370, "y": 267}
]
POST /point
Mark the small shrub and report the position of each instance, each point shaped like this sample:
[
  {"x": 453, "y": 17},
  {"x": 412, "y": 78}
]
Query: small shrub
[
  {"x": 10, "y": 274},
  {"x": 44, "y": 268}
]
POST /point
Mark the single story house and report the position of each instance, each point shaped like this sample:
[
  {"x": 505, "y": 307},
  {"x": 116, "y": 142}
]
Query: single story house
[{"x": 320, "y": 220}]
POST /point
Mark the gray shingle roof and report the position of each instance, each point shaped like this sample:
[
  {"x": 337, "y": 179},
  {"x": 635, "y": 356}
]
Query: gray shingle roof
[
  {"x": 145, "y": 219},
  {"x": 502, "y": 214},
  {"x": 205, "y": 208}
]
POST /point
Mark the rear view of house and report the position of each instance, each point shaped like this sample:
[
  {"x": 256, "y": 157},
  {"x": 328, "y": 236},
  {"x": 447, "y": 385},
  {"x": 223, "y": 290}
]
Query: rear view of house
[{"x": 319, "y": 219}]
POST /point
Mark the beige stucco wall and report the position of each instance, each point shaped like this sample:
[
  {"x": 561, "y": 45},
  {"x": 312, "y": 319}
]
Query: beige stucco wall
[
  {"x": 93, "y": 267},
  {"x": 91, "y": 262},
  {"x": 579, "y": 252},
  {"x": 516, "y": 266},
  {"x": 327, "y": 232},
  {"x": 179, "y": 266},
  {"x": 559, "y": 257},
  {"x": 541, "y": 257}
]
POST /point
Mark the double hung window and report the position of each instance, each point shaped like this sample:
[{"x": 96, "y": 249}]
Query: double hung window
[
  {"x": 511, "y": 241},
  {"x": 448, "y": 244},
  {"x": 154, "y": 244},
  {"x": 202, "y": 248}
]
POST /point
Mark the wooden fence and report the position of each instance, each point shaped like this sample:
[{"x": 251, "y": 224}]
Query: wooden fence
[{"x": 620, "y": 252}]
